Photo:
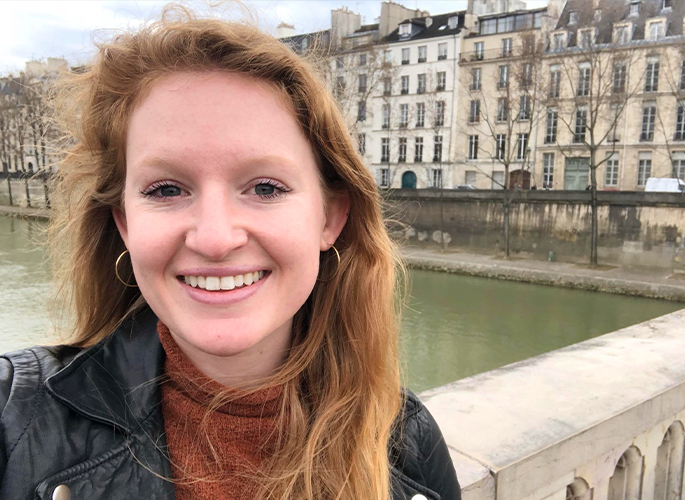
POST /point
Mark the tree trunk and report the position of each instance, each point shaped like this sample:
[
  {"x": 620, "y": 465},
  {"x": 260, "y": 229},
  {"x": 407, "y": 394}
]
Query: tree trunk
[
  {"x": 9, "y": 189},
  {"x": 506, "y": 224},
  {"x": 593, "y": 209}
]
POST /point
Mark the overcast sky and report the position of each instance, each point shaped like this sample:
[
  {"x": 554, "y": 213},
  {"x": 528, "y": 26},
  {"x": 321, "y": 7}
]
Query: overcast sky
[{"x": 37, "y": 29}]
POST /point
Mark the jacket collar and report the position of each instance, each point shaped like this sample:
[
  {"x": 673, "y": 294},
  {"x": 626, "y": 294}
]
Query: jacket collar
[{"x": 114, "y": 381}]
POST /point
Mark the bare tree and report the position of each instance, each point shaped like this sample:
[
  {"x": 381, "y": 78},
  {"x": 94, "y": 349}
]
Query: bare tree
[
  {"x": 505, "y": 109},
  {"x": 597, "y": 81}
]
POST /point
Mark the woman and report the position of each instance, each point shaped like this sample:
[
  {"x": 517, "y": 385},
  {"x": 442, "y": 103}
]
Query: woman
[{"x": 231, "y": 283}]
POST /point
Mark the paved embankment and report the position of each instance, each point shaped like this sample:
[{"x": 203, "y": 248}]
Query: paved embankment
[
  {"x": 655, "y": 283},
  {"x": 39, "y": 213}
]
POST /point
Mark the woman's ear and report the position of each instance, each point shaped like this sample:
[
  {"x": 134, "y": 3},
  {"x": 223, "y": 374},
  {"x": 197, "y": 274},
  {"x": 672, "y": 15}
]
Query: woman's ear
[
  {"x": 120, "y": 220},
  {"x": 337, "y": 210}
]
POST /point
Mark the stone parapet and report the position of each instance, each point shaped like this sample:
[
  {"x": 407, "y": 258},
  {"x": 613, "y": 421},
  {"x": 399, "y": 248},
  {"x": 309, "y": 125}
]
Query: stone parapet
[{"x": 594, "y": 420}]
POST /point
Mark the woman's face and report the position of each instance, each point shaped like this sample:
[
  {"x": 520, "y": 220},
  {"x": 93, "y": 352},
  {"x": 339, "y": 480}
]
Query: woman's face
[{"x": 224, "y": 218}]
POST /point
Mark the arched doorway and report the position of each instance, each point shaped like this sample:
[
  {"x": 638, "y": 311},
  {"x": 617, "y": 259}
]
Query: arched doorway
[
  {"x": 626, "y": 482},
  {"x": 409, "y": 180}
]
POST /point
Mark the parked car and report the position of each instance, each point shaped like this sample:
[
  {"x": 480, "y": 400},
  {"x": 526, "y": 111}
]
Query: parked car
[{"x": 464, "y": 187}]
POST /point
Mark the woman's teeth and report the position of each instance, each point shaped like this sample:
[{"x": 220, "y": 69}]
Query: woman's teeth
[{"x": 224, "y": 282}]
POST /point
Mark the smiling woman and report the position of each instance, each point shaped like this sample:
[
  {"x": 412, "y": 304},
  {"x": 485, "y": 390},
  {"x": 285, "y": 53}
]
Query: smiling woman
[{"x": 222, "y": 248}]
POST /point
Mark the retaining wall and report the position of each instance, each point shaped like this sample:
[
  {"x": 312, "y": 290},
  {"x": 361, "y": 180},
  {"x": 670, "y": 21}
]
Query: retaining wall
[{"x": 635, "y": 228}]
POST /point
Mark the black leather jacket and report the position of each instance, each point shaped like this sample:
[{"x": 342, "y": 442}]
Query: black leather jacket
[{"x": 89, "y": 423}]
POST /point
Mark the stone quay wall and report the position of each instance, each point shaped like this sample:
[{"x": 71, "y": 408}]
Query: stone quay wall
[
  {"x": 635, "y": 228},
  {"x": 24, "y": 190},
  {"x": 598, "y": 420}
]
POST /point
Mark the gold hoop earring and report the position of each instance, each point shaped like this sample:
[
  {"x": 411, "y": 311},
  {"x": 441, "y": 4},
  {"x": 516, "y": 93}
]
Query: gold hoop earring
[
  {"x": 116, "y": 270},
  {"x": 337, "y": 254}
]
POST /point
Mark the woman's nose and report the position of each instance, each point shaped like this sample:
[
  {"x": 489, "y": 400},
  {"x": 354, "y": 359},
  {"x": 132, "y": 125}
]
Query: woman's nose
[{"x": 218, "y": 228}]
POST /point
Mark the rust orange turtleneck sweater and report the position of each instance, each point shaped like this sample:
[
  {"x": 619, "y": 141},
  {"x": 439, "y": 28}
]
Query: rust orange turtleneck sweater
[{"x": 242, "y": 432}]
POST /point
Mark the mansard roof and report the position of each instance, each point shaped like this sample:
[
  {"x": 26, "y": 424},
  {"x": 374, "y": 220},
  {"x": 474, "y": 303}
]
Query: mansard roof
[
  {"x": 438, "y": 27},
  {"x": 618, "y": 11}
]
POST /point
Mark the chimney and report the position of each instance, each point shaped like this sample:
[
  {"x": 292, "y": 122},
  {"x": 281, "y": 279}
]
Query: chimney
[{"x": 285, "y": 30}]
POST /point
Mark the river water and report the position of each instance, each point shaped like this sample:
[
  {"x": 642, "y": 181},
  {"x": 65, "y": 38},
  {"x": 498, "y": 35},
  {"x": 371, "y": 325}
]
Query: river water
[{"x": 452, "y": 327}]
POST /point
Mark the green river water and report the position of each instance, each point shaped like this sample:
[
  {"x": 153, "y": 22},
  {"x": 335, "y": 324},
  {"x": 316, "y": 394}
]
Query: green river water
[{"x": 452, "y": 327}]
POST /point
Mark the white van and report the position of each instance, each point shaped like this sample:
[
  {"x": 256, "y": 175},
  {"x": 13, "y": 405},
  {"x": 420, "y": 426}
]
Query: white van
[{"x": 667, "y": 185}]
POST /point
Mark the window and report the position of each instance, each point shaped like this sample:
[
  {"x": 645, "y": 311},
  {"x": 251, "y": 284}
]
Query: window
[
  {"x": 503, "y": 76},
  {"x": 680, "y": 123},
  {"x": 506, "y": 47},
  {"x": 404, "y": 115},
  {"x": 656, "y": 31},
  {"x": 652, "y": 75},
  {"x": 442, "y": 51},
  {"x": 470, "y": 177},
  {"x": 386, "y": 115},
  {"x": 551, "y": 130},
  {"x": 437, "y": 177},
  {"x": 500, "y": 146},
  {"x": 479, "y": 50},
  {"x": 405, "y": 29},
  {"x": 559, "y": 41},
  {"x": 474, "y": 111},
  {"x": 387, "y": 57},
  {"x": 475, "y": 78},
  {"x": 442, "y": 80},
  {"x": 361, "y": 111},
  {"x": 488, "y": 27},
  {"x": 648, "y": 121},
  {"x": 611, "y": 173},
  {"x": 420, "y": 114},
  {"x": 682, "y": 76},
  {"x": 402, "y": 150},
  {"x": 498, "y": 180},
  {"x": 679, "y": 165},
  {"x": 622, "y": 34},
  {"x": 644, "y": 168},
  {"x": 584, "y": 80},
  {"x": 581, "y": 125},
  {"x": 554, "y": 81},
  {"x": 362, "y": 59},
  {"x": 439, "y": 113},
  {"x": 437, "y": 149},
  {"x": 421, "y": 87},
  {"x": 635, "y": 9},
  {"x": 405, "y": 56},
  {"x": 573, "y": 17},
  {"x": 385, "y": 149},
  {"x": 387, "y": 86},
  {"x": 526, "y": 74},
  {"x": 667, "y": 4},
  {"x": 502, "y": 109},
  {"x": 362, "y": 83},
  {"x": 505, "y": 24},
  {"x": 587, "y": 38},
  {"x": 452, "y": 22},
  {"x": 524, "y": 107},
  {"x": 423, "y": 50},
  {"x": 619, "y": 78},
  {"x": 521, "y": 146},
  {"x": 528, "y": 44},
  {"x": 361, "y": 138},
  {"x": 384, "y": 177},
  {"x": 473, "y": 147},
  {"x": 339, "y": 63},
  {"x": 405, "y": 84},
  {"x": 548, "y": 170},
  {"x": 418, "y": 150}
]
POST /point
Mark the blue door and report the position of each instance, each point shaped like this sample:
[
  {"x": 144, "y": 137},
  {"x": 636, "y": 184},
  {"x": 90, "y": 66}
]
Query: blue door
[{"x": 409, "y": 180}]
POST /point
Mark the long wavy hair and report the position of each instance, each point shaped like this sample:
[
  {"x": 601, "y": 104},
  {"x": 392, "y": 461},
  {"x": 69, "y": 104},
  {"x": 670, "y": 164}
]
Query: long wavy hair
[{"x": 341, "y": 380}]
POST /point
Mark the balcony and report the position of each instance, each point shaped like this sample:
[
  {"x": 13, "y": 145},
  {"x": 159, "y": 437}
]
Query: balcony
[
  {"x": 442, "y": 57},
  {"x": 488, "y": 55},
  {"x": 404, "y": 91},
  {"x": 440, "y": 88},
  {"x": 422, "y": 59}
]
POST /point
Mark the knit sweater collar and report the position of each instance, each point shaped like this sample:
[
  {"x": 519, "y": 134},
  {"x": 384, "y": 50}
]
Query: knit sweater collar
[{"x": 184, "y": 377}]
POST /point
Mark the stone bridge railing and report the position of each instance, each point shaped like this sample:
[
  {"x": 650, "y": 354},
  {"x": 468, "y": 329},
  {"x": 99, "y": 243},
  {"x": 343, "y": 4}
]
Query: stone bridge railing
[{"x": 599, "y": 420}]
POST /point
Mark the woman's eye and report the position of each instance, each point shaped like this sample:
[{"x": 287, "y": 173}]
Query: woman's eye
[
  {"x": 169, "y": 191},
  {"x": 264, "y": 189}
]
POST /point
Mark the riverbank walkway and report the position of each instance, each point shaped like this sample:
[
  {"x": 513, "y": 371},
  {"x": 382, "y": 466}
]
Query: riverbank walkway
[
  {"x": 38, "y": 213},
  {"x": 645, "y": 282}
]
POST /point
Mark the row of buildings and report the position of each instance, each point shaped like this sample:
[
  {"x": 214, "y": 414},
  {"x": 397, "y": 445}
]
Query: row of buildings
[{"x": 500, "y": 95}]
